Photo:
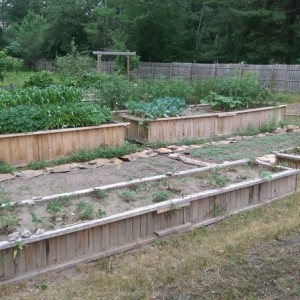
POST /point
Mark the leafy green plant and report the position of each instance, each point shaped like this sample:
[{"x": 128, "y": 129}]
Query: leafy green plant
[
  {"x": 127, "y": 195},
  {"x": 28, "y": 118},
  {"x": 99, "y": 194},
  {"x": 54, "y": 208},
  {"x": 18, "y": 247},
  {"x": 221, "y": 102},
  {"x": 37, "y": 164},
  {"x": 269, "y": 126},
  {"x": 100, "y": 213},
  {"x": 85, "y": 210},
  {"x": 36, "y": 220},
  {"x": 64, "y": 201},
  {"x": 39, "y": 79},
  {"x": 158, "y": 108},
  {"x": 160, "y": 196},
  {"x": 266, "y": 175},
  {"x": 6, "y": 168},
  {"x": 8, "y": 222}
]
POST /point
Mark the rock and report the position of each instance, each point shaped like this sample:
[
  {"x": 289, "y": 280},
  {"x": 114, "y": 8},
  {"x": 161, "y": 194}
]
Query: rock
[
  {"x": 13, "y": 236},
  {"x": 31, "y": 173},
  {"x": 291, "y": 127},
  {"x": 59, "y": 169},
  {"x": 247, "y": 137},
  {"x": 39, "y": 231},
  {"x": 92, "y": 162},
  {"x": 36, "y": 198},
  {"x": 26, "y": 233},
  {"x": 4, "y": 177},
  {"x": 260, "y": 135},
  {"x": 280, "y": 130},
  {"x": 268, "y": 134},
  {"x": 163, "y": 151},
  {"x": 235, "y": 138}
]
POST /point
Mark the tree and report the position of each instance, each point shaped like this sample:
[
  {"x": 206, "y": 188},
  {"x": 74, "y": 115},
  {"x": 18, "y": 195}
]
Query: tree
[{"x": 29, "y": 38}]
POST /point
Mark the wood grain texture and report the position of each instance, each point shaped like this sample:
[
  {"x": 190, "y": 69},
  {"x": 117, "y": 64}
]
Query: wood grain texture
[{"x": 19, "y": 149}]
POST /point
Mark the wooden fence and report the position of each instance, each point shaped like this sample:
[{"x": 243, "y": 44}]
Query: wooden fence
[
  {"x": 80, "y": 243},
  {"x": 279, "y": 78}
]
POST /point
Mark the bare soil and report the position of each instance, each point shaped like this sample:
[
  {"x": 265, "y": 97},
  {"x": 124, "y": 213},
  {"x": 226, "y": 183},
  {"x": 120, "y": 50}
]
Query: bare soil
[{"x": 66, "y": 211}]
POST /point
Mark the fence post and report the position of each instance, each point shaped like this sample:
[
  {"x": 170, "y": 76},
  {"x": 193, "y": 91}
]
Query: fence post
[
  {"x": 272, "y": 79},
  {"x": 216, "y": 70},
  {"x": 153, "y": 68},
  {"x": 171, "y": 71},
  {"x": 241, "y": 68},
  {"x": 191, "y": 72}
]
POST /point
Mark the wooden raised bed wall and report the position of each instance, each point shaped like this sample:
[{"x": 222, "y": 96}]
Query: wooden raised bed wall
[
  {"x": 200, "y": 126},
  {"x": 19, "y": 149},
  {"x": 91, "y": 240},
  {"x": 289, "y": 159}
]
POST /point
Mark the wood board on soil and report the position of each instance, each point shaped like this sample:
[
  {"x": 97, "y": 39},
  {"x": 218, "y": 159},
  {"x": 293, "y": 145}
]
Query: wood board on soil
[{"x": 62, "y": 210}]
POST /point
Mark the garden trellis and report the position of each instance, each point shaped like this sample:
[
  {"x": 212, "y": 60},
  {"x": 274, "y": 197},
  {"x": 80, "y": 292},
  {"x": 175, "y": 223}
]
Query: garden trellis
[{"x": 127, "y": 54}]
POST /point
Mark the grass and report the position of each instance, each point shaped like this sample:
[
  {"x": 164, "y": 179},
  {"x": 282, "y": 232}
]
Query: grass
[
  {"x": 246, "y": 148},
  {"x": 6, "y": 168},
  {"x": 249, "y": 256}
]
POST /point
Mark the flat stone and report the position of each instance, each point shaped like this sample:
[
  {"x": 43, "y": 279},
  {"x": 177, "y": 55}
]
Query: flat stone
[
  {"x": 235, "y": 138},
  {"x": 32, "y": 173},
  {"x": 280, "y": 130},
  {"x": 39, "y": 231},
  {"x": 163, "y": 151},
  {"x": 59, "y": 169},
  {"x": 291, "y": 127},
  {"x": 138, "y": 155},
  {"x": 260, "y": 135},
  {"x": 4, "y": 177},
  {"x": 269, "y": 158}
]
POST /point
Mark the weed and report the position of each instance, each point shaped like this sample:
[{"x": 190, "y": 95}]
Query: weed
[
  {"x": 217, "y": 209},
  {"x": 266, "y": 175},
  {"x": 35, "y": 219},
  {"x": 269, "y": 126},
  {"x": 8, "y": 222},
  {"x": 42, "y": 286},
  {"x": 99, "y": 194},
  {"x": 18, "y": 247},
  {"x": 160, "y": 196},
  {"x": 64, "y": 201},
  {"x": 100, "y": 213},
  {"x": 127, "y": 195},
  {"x": 85, "y": 210},
  {"x": 53, "y": 208},
  {"x": 37, "y": 164},
  {"x": 6, "y": 168}
]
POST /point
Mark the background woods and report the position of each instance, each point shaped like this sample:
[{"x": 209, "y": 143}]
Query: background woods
[{"x": 163, "y": 31}]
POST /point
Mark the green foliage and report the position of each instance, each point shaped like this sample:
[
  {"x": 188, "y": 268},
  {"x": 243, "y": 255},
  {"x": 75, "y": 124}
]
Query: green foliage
[
  {"x": 37, "y": 165},
  {"x": 74, "y": 63},
  {"x": 26, "y": 118},
  {"x": 35, "y": 219},
  {"x": 159, "y": 108},
  {"x": 99, "y": 194},
  {"x": 40, "y": 80},
  {"x": 6, "y": 168},
  {"x": 160, "y": 196},
  {"x": 127, "y": 195},
  {"x": 269, "y": 126},
  {"x": 84, "y": 210},
  {"x": 53, "y": 207},
  {"x": 100, "y": 213},
  {"x": 8, "y": 222},
  {"x": 266, "y": 175},
  {"x": 231, "y": 92},
  {"x": 64, "y": 201},
  {"x": 7, "y": 63}
]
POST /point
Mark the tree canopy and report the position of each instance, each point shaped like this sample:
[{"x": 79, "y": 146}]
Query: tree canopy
[{"x": 253, "y": 31}]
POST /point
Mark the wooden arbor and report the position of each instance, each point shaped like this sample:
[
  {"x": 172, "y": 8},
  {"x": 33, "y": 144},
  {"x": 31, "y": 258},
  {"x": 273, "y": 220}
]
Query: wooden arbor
[{"x": 127, "y": 54}]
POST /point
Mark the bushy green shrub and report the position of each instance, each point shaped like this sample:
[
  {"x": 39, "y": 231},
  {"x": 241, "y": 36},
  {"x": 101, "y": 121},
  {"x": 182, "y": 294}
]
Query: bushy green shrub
[
  {"x": 29, "y": 118},
  {"x": 159, "y": 108},
  {"x": 39, "y": 79},
  {"x": 239, "y": 92}
]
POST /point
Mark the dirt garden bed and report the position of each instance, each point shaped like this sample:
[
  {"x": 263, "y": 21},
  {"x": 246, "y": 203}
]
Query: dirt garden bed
[{"x": 196, "y": 197}]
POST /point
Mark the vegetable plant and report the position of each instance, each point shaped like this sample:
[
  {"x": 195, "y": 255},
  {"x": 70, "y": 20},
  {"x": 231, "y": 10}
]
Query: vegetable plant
[
  {"x": 84, "y": 210},
  {"x": 158, "y": 108}
]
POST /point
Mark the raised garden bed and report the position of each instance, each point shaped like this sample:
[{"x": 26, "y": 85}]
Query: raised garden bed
[
  {"x": 202, "y": 125},
  {"x": 21, "y": 148},
  {"x": 289, "y": 157},
  {"x": 216, "y": 192}
]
